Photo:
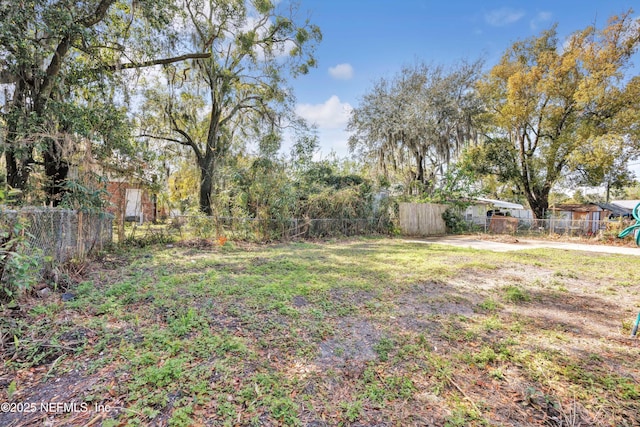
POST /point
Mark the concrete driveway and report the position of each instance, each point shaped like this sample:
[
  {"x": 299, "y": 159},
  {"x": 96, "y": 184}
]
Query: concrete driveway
[{"x": 520, "y": 244}]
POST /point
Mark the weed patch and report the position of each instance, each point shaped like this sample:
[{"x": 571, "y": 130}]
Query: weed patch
[{"x": 515, "y": 294}]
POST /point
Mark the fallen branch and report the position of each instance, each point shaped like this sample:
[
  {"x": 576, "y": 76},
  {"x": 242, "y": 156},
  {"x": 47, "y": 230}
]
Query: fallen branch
[{"x": 464, "y": 394}]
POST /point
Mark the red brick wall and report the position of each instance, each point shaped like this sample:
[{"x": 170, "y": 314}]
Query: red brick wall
[{"x": 118, "y": 198}]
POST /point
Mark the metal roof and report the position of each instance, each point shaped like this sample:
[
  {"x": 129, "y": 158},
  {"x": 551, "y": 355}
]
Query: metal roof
[
  {"x": 500, "y": 203},
  {"x": 615, "y": 209},
  {"x": 577, "y": 207},
  {"x": 626, "y": 204}
]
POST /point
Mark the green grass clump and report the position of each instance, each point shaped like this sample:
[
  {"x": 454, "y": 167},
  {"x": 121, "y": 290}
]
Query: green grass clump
[{"x": 515, "y": 294}]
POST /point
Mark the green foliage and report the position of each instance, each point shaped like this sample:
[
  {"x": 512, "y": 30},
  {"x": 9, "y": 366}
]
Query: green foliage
[
  {"x": 352, "y": 410},
  {"x": 485, "y": 356},
  {"x": 582, "y": 120},
  {"x": 489, "y": 305},
  {"x": 19, "y": 265},
  {"x": 325, "y": 191},
  {"x": 202, "y": 226},
  {"x": 603, "y": 161},
  {"x": 161, "y": 376},
  {"x": 11, "y": 390},
  {"x": 147, "y": 235},
  {"x": 21, "y": 271},
  {"x": 458, "y": 185},
  {"x": 78, "y": 195},
  {"x": 261, "y": 197},
  {"x": 383, "y": 348},
  {"x": 325, "y": 174},
  {"x": 454, "y": 220},
  {"x": 181, "y": 417},
  {"x": 247, "y": 79},
  {"x": 60, "y": 57},
  {"x": 410, "y": 127},
  {"x": 516, "y": 294}
]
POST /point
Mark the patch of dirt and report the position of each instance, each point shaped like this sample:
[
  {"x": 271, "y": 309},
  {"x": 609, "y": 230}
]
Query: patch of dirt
[
  {"x": 347, "y": 296},
  {"x": 502, "y": 238},
  {"x": 352, "y": 345},
  {"x": 581, "y": 322},
  {"x": 420, "y": 308},
  {"x": 432, "y": 299},
  {"x": 105, "y": 271},
  {"x": 222, "y": 320},
  {"x": 299, "y": 301},
  {"x": 45, "y": 399},
  {"x": 198, "y": 243}
]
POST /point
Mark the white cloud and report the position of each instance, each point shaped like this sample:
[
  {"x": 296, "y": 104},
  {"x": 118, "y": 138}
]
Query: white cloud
[
  {"x": 331, "y": 114},
  {"x": 341, "y": 71},
  {"x": 540, "y": 19},
  {"x": 503, "y": 16},
  {"x": 331, "y": 118},
  {"x": 333, "y": 141}
]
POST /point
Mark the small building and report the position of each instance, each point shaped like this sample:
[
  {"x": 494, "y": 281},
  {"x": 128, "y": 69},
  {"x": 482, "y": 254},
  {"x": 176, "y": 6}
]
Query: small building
[
  {"x": 626, "y": 206},
  {"x": 615, "y": 211},
  {"x": 578, "y": 218},
  {"x": 128, "y": 197},
  {"x": 131, "y": 202}
]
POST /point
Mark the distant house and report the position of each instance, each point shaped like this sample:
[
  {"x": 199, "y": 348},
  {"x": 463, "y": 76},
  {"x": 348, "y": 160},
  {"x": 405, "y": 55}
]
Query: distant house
[
  {"x": 131, "y": 201},
  {"x": 626, "y": 205},
  {"x": 615, "y": 211},
  {"x": 582, "y": 218},
  {"x": 128, "y": 199}
]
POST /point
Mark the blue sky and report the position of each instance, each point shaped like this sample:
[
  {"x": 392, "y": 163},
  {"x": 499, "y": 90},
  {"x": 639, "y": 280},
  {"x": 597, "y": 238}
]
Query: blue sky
[{"x": 366, "y": 40}]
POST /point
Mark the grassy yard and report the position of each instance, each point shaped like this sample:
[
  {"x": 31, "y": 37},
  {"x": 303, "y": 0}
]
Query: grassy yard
[{"x": 357, "y": 332}]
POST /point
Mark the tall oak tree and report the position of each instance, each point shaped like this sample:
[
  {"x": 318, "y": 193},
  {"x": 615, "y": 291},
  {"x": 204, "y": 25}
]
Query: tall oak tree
[{"x": 550, "y": 103}]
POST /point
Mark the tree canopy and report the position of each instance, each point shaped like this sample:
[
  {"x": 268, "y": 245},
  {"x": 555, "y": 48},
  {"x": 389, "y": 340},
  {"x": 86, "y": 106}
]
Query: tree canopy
[
  {"x": 550, "y": 111},
  {"x": 59, "y": 64},
  {"x": 415, "y": 123},
  {"x": 558, "y": 108},
  {"x": 239, "y": 91}
]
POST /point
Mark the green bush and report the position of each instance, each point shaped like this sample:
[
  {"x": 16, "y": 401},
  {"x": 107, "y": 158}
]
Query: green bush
[
  {"x": 454, "y": 221},
  {"x": 18, "y": 271}
]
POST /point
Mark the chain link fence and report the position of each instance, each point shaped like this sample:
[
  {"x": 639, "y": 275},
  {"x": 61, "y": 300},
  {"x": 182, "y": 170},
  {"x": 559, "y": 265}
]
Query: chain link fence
[
  {"x": 58, "y": 235},
  {"x": 550, "y": 226}
]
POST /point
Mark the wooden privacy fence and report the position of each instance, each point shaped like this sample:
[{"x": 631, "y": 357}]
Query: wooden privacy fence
[{"x": 422, "y": 219}]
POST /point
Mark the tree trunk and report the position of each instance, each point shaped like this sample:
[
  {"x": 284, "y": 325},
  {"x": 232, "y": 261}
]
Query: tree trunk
[
  {"x": 17, "y": 169},
  {"x": 18, "y": 158},
  {"x": 539, "y": 204},
  {"x": 56, "y": 170},
  {"x": 206, "y": 186},
  {"x": 420, "y": 170},
  {"x": 538, "y": 210}
]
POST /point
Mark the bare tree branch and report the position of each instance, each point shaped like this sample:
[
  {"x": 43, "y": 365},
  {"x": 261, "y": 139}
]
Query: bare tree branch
[
  {"x": 163, "y": 61},
  {"x": 98, "y": 15}
]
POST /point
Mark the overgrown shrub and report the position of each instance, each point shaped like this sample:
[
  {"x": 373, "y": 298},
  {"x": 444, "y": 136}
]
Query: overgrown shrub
[
  {"x": 454, "y": 221},
  {"x": 19, "y": 268},
  {"x": 265, "y": 198},
  {"x": 202, "y": 226}
]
